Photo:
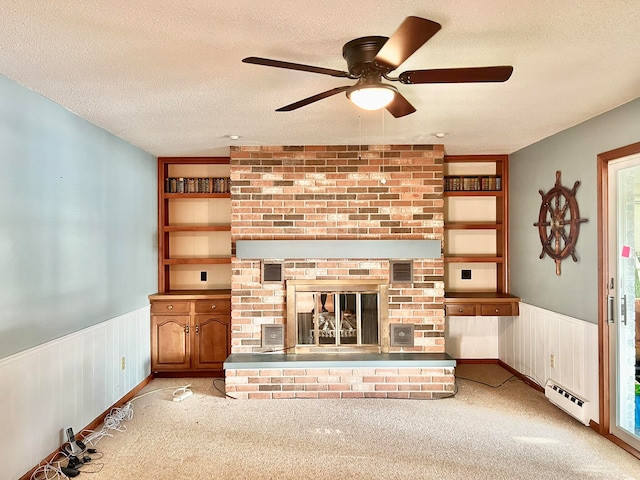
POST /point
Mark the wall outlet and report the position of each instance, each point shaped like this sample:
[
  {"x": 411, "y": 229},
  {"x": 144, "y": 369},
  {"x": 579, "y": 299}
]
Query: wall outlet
[
  {"x": 203, "y": 276},
  {"x": 552, "y": 360},
  {"x": 122, "y": 363},
  {"x": 465, "y": 274}
]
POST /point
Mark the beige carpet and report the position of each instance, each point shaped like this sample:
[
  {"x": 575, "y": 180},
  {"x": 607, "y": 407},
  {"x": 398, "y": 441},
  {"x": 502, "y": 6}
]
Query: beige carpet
[
  {"x": 492, "y": 375},
  {"x": 508, "y": 432}
]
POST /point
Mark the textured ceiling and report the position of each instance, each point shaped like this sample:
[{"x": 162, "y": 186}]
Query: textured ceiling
[{"x": 167, "y": 75}]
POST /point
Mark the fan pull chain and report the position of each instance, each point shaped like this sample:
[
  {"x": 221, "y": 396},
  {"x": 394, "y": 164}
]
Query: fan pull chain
[
  {"x": 360, "y": 133},
  {"x": 383, "y": 181}
]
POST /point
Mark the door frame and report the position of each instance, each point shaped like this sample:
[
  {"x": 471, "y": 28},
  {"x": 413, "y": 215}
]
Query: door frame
[{"x": 603, "y": 269}]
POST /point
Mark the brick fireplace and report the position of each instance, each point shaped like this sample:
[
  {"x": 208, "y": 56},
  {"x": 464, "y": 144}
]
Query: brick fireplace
[{"x": 340, "y": 193}]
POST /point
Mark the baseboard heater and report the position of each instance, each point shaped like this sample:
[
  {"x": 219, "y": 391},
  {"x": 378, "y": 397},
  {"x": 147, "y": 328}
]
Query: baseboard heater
[{"x": 577, "y": 407}]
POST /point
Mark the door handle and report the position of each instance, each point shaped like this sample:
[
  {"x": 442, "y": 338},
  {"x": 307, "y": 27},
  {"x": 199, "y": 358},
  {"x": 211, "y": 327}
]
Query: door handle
[
  {"x": 624, "y": 309},
  {"x": 610, "y": 301}
]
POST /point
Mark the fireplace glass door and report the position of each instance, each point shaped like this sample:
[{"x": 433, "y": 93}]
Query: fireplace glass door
[{"x": 330, "y": 318}]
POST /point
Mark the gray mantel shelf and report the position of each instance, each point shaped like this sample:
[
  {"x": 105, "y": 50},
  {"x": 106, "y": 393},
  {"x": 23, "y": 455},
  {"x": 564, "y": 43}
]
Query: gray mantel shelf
[{"x": 321, "y": 249}]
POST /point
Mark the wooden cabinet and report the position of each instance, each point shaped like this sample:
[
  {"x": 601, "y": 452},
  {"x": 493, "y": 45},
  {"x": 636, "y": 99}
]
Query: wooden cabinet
[
  {"x": 190, "y": 332},
  {"x": 476, "y": 236}
]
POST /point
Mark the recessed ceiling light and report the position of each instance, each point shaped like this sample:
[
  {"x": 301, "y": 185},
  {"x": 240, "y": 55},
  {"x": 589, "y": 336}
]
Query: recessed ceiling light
[
  {"x": 439, "y": 134},
  {"x": 234, "y": 137}
]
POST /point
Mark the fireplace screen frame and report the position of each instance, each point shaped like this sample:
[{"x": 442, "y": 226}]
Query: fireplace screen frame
[{"x": 338, "y": 287}]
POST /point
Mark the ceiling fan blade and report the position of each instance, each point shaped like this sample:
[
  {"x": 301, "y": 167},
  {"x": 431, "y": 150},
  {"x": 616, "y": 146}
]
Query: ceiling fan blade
[
  {"x": 409, "y": 37},
  {"x": 314, "y": 98},
  {"x": 400, "y": 106},
  {"x": 295, "y": 66},
  {"x": 458, "y": 75}
]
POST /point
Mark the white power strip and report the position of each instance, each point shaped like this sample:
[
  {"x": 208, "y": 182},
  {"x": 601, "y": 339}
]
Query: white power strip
[{"x": 182, "y": 396}]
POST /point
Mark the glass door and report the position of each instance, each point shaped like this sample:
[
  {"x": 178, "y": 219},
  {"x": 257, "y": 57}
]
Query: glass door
[
  {"x": 624, "y": 297},
  {"x": 330, "y": 318}
]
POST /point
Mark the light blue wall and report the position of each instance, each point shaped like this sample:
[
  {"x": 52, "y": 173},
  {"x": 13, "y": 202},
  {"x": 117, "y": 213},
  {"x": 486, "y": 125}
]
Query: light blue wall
[
  {"x": 78, "y": 222},
  {"x": 573, "y": 152}
]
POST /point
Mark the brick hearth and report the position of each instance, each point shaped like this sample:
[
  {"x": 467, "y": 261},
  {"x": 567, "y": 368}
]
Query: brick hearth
[{"x": 401, "y": 375}]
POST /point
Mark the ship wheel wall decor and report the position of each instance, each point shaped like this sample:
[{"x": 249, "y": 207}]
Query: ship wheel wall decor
[{"x": 559, "y": 222}]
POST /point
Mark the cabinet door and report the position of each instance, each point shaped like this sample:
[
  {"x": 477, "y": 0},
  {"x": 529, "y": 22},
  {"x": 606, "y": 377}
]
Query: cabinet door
[
  {"x": 170, "y": 348},
  {"x": 212, "y": 340}
]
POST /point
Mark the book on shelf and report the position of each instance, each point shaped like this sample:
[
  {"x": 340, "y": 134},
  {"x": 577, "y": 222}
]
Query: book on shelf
[
  {"x": 197, "y": 185},
  {"x": 471, "y": 183}
]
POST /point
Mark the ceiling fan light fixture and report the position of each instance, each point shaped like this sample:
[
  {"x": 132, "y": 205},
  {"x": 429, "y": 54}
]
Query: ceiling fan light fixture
[{"x": 372, "y": 96}]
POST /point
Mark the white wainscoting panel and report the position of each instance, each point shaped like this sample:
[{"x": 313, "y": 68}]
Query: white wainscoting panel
[
  {"x": 68, "y": 382},
  {"x": 472, "y": 337},
  {"x": 527, "y": 342}
]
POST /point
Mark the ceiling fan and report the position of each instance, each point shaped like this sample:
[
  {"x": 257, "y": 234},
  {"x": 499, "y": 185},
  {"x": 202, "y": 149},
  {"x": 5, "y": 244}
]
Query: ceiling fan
[{"x": 370, "y": 59}]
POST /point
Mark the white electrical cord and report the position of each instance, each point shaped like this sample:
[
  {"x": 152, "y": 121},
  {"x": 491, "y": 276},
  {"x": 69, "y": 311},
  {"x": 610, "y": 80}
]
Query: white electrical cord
[
  {"x": 180, "y": 389},
  {"x": 51, "y": 470},
  {"x": 182, "y": 393},
  {"x": 112, "y": 421}
]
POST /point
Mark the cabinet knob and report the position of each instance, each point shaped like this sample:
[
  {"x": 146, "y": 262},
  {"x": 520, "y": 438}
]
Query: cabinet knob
[
  {"x": 197, "y": 329},
  {"x": 186, "y": 329},
  {"x": 497, "y": 310},
  {"x": 169, "y": 307},
  {"x": 459, "y": 310},
  {"x": 213, "y": 306}
]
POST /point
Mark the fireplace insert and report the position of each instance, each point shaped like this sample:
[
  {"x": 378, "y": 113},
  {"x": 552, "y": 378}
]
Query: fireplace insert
[{"x": 336, "y": 316}]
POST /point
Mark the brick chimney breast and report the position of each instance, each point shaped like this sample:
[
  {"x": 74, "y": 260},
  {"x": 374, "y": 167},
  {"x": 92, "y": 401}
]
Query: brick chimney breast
[{"x": 387, "y": 192}]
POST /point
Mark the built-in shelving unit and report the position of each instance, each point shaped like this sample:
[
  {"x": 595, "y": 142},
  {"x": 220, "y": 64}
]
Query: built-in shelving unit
[
  {"x": 194, "y": 224},
  {"x": 476, "y": 236},
  {"x": 191, "y": 312}
]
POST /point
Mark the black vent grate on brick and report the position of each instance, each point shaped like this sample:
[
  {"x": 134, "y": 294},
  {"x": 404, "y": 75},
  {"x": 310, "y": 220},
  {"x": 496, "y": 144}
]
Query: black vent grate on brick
[
  {"x": 401, "y": 335},
  {"x": 272, "y": 336},
  {"x": 401, "y": 272},
  {"x": 271, "y": 272}
]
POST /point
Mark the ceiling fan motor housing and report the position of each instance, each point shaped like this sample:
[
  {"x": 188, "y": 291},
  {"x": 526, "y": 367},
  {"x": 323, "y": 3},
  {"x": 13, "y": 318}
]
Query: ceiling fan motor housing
[{"x": 360, "y": 54}]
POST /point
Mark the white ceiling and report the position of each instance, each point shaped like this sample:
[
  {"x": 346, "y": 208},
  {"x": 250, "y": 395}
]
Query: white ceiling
[{"x": 167, "y": 76}]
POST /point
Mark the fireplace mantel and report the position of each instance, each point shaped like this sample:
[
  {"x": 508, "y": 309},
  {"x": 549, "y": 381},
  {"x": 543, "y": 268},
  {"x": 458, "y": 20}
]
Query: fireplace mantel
[{"x": 327, "y": 249}]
